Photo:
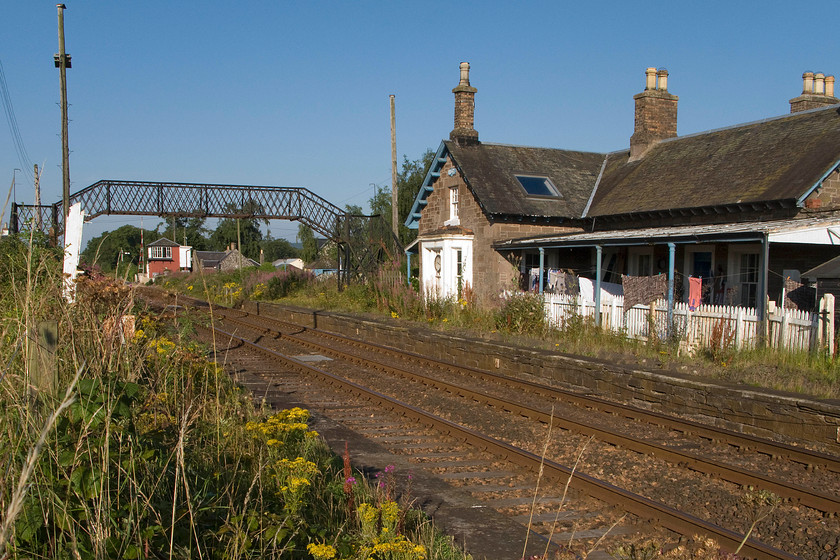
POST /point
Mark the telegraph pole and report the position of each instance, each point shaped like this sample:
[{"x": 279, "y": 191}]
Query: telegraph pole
[
  {"x": 37, "y": 197},
  {"x": 394, "y": 198},
  {"x": 62, "y": 62}
]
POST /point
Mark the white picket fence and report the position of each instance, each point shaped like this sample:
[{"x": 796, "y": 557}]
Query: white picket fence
[{"x": 704, "y": 326}]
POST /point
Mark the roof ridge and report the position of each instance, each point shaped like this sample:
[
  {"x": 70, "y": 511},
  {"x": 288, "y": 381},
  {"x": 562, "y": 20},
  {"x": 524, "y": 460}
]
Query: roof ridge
[
  {"x": 503, "y": 145},
  {"x": 750, "y": 123}
]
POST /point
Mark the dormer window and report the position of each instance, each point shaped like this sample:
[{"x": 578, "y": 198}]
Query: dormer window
[{"x": 538, "y": 186}]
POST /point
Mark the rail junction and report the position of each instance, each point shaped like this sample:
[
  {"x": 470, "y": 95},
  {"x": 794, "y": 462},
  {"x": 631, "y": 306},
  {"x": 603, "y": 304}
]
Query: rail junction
[{"x": 630, "y": 472}]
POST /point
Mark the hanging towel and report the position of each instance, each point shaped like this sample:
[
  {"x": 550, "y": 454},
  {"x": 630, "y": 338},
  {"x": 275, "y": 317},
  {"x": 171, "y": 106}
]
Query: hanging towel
[
  {"x": 695, "y": 289},
  {"x": 555, "y": 282}
]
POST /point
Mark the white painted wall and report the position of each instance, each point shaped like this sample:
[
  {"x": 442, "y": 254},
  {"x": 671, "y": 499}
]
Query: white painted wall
[{"x": 444, "y": 283}]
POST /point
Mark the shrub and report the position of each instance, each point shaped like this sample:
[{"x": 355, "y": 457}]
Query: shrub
[
  {"x": 522, "y": 313},
  {"x": 287, "y": 282}
]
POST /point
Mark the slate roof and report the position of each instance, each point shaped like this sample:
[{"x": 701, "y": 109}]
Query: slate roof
[
  {"x": 489, "y": 170},
  {"x": 777, "y": 159},
  {"x": 210, "y": 259}
]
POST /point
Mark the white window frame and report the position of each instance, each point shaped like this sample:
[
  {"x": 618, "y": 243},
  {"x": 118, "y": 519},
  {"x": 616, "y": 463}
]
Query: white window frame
[
  {"x": 160, "y": 253},
  {"x": 454, "y": 199},
  {"x": 736, "y": 252}
]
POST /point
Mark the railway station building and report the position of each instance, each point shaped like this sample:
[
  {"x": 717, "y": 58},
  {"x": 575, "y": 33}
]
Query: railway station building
[{"x": 743, "y": 208}]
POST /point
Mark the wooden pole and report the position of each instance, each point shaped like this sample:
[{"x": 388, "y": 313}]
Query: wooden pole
[
  {"x": 37, "y": 197},
  {"x": 394, "y": 196},
  {"x": 63, "y": 63}
]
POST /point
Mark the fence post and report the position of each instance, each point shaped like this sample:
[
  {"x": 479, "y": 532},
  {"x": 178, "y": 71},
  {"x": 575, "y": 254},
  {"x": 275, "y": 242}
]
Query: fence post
[
  {"x": 739, "y": 326},
  {"x": 651, "y": 321},
  {"x": 783, "y": 330},
  {"x": 830, "y": 322},
  {"x": 825, "y": 335}
]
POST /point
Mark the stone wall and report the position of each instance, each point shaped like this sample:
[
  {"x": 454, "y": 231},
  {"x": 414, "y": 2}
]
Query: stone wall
[
  {"x": 492, "y": 272},
  {"x": 742, "y": 409},
  {"x": 827, "y": 195}
]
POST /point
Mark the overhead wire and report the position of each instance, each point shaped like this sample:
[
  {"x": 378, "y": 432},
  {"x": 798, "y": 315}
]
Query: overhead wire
[{"x": 23, "y": 157}]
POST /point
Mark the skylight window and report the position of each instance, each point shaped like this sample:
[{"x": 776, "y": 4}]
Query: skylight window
[{"x": 537, "y": 186}]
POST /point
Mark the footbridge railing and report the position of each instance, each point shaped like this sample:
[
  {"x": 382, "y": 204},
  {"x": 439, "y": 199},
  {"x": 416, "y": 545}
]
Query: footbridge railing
[{"x": 363, "y": 238}]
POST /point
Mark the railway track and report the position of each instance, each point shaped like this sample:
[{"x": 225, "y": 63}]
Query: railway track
[
  {"x": 379, "y": 356},
  {"x": 257, "y": 335}
]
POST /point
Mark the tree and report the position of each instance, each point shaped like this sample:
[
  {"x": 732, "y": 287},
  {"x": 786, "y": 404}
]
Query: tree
[
  {"x": 188, "y": 231},
  {"x": 409, "y": 181},
  {"x": 274, "y": 249},
  {"x": 246, "y": 229},
  {"x": 309, "y": 249},
  {"x": 381, "y": 203},
  {"x": 104, "y": 251}
]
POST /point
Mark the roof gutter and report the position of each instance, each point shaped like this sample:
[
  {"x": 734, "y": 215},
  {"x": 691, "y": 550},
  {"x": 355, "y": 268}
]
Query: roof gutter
[
  {"x": 800, "y": 202},
  {"x": 681, "y": 240}
]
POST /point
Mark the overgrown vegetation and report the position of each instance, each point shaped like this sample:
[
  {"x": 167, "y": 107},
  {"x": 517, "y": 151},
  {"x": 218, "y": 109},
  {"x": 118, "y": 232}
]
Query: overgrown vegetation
[
  {"x": 520, "y": 318},
  {"x": 125, "y": 442}
]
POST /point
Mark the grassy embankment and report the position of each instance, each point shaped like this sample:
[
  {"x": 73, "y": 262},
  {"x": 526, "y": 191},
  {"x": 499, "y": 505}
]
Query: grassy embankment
[
  {"x": 128, "y": 443},
  {"x": 520, "y": 319}
]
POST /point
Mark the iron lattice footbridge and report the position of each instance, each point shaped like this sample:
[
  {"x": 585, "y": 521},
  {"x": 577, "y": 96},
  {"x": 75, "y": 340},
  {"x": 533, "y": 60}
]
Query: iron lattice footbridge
[{"x": 366, "y": 240}]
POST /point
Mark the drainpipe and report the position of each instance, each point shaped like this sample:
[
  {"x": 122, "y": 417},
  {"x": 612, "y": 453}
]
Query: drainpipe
[
  {"x": 408, "y": 268},
  {"x": 598, "y": 253},
  {"x": 761, "y": 296},
  {"x": 672, "y": 249},
  {"x": 542, "y": 268}
]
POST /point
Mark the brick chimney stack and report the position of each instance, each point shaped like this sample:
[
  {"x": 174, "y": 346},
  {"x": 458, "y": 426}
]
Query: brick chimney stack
[
  {"x": 656, "y": 113},
  {"x": 464, "y": 132},
  {"x": 817, "y": 91}
]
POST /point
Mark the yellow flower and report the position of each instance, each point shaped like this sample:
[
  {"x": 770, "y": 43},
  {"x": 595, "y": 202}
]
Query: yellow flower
[{"x": 321, "y": 551}]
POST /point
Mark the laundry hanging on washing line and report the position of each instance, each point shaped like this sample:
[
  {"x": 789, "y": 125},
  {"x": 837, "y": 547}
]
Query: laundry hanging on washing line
[{"x": 643, "y": 290}]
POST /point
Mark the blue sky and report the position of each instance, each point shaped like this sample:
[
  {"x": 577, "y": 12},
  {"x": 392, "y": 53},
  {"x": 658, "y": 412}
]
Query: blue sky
[{"x": 297, "y": 93}]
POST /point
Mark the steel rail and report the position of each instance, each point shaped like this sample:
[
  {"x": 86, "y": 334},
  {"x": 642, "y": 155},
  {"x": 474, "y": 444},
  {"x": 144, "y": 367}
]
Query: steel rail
[
  {"x": 800, "y": 455},
  {"x": 670, "y": 518},
  {"x": 812, "y": 498}
]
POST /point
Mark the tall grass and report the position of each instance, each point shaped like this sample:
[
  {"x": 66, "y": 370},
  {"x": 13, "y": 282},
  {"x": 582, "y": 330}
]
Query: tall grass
[
  {"x": 520, "y": 318},
  {"x": 141, "y": 448}
]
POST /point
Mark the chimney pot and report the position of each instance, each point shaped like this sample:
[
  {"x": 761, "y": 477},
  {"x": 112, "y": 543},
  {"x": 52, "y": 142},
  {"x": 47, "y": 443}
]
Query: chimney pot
[
  {"x": 808, "y": 82},
  {"x": 662, "y": 74},
  {"x": 817, "y": 91},
  {"x": 650, "y": 79},
  {"x": 819, "y": 83},
  {"x": 465, "y": 74}
]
